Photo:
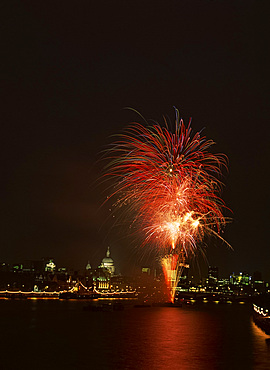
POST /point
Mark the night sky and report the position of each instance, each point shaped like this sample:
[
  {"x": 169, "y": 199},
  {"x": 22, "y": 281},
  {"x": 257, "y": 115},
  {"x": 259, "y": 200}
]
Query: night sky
[{"x": 68, "y": 70}]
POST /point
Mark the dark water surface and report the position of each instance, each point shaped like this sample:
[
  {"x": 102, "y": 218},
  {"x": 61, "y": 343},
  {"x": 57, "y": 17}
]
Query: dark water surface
[{"x": 53, "y": 334}]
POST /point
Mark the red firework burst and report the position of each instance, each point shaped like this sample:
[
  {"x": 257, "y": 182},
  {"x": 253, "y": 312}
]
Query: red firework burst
[{"x": 170, "y": 183}]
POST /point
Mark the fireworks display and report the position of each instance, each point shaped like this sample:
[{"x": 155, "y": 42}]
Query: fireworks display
[{"x": 170, "y": 183}]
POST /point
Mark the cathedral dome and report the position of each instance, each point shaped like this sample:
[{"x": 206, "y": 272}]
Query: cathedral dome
[{"x": 107, "y": 262}]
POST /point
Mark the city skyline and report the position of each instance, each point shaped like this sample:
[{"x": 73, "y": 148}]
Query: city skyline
[
  {"x": 67, "y": 78},
  {"x": 49, "y": 264}
]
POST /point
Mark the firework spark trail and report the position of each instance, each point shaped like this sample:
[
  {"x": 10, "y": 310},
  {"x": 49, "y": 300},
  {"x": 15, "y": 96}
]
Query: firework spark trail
[{"x": 171, "y": 183}]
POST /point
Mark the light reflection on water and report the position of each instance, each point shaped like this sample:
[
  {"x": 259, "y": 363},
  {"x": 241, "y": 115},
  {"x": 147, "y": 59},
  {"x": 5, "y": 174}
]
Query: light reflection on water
[
  {"x": 261, "y": 347},
  {"x": 55, "y": 334}
]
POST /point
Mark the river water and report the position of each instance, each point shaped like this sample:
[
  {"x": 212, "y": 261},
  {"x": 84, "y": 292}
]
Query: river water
[{"x": 55, "y": 334}]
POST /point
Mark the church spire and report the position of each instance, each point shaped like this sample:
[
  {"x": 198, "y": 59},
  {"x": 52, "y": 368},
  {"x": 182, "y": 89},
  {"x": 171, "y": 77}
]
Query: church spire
[{"x": 108, "y": 252}]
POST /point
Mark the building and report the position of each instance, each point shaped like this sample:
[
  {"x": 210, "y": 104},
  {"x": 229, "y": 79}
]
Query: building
[
  {"x": 213, "y": 274},
  {"x": 50, "y": 265},
  {"x": 258, "y": 283},
  {"x": 100, "y": 278},
  {"x": 243, "y": 278},
  {"x": 107, "y": 263}
]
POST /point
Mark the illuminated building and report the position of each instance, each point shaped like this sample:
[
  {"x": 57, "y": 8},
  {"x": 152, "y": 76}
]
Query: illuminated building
[
  {"x": 107, "y": 262},
  {"x": 258, "y": 284},
  {"x": 146, "y": 270},
  {"x": 183, "y": 283},
  {"x": 101, "y": 276},
  {"x": 101, "y": 280},
  {"x": 242, "y": 279},
  {"x": 211, "y": 281},
  {"x": 38, "y": 266},
  {"x": 50, "y": 266},
  {"x": 213, "y": 274},
  {"x": 184, "y": 266},
  {"x": 17, "y": 267}
]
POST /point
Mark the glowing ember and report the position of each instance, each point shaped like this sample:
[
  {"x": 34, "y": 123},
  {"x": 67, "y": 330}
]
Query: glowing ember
[{"x": 170, "y": 182}]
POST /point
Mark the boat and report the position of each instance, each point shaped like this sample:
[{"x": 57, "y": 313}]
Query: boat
[{"x": 261, "y": 312}]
